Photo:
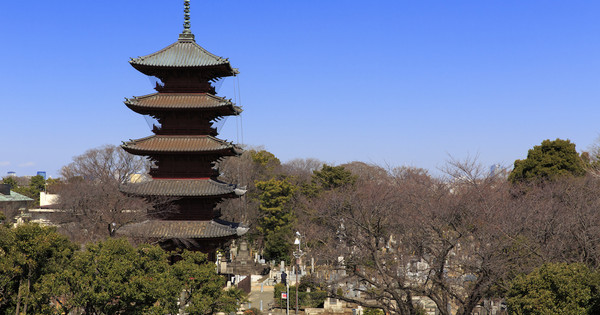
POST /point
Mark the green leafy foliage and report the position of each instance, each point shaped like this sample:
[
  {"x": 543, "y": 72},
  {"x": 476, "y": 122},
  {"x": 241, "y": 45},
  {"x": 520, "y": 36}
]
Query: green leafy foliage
[
  {"x": 264, "y": 158},
  {"x": 274, "y": 204},
  {"x": 267, "y": 163},
  {"x": 203, "y": 287},
  {"x": 276, "y": 217},
  {"x": 114, "y": 277},
  {"x": 305, "y": 299},
  {"x": 28, "y": 253},
  {"x": 548, "y": 161},
  {"x": 328, "y": 178},
  {"x": 277, "y": 290},
  {"x": 42, "y": 272},
  {"x": 373, "y": 311},
  {"x": 10, "y": 181},
  {"x": 38, "y": 183},
  {"x": 310, "y": 281},
  {"x": 310, "y": 299},
  {"x": 556, "y": 288},
  {"x": 278, "y": 245}
]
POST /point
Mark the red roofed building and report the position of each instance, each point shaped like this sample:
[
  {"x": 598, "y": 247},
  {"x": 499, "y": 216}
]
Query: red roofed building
[{"x": 184, "y": 147}]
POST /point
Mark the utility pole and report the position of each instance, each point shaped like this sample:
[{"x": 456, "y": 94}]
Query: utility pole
[{"x": 298, "y": 254}]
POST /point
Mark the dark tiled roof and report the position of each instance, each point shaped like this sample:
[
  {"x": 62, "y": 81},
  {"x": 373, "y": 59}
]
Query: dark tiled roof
[
  {"x": 184, "y": 53},
  {"x": 176, "y": 143},
  {"x": 179, "y": 188},
  {"x": 164, "y": 229},
  {"x": 161, "y": 101}
]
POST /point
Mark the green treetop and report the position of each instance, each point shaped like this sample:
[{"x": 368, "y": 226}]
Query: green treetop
[
  {"x": 10, "y": 181},
  {"x": 548, "y": 161},
  {"x": 328, "y": 178},
  {"x": 277, "y": 217},
  {"x": 264, "y": 158},
  {"x": 266, "y": 164},
  {"x": 557, "y": 288},
  {"x": 42, "y": 272},
  {"x": 38, "y": 183},
  {"x": 29, "y": 253},
  {"x": 114, "y": 277},
  {"x": 274, "y": 200},
  {"x": 203, "y": 287}
]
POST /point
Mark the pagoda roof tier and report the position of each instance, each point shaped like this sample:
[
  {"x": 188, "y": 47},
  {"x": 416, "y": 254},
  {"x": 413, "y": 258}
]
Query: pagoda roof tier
[
  {"x": 186, "y": 187},
  {"x": 167, "y": 229},
  {"x": 182, "y": 101},
  {"x": 201, "y": 144},
  {"x": 185, "y": 53}
]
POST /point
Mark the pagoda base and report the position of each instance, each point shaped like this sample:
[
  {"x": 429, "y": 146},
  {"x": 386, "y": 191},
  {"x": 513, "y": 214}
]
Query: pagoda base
[{"x": 203, "y": 236}]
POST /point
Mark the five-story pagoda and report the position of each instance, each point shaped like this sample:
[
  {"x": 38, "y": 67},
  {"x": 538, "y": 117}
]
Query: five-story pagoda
[{"x": 184, "y": 147}]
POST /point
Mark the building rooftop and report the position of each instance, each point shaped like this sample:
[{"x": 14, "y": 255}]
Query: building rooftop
[
  {"x": 180, "y": 188},
  {"x": 182, "y": 101},
  {"x": 184, "y": 53},
  {"x": 167, "y": 229},
  {"x": 13, "y": 196},
  {"x": 180, "y": 144}
]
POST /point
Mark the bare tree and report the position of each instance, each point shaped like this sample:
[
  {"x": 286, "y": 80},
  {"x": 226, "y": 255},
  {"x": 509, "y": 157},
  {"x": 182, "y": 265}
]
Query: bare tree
[
  {"x": 412, "y": 237},
  {"x": 105, "y": 163},
  {"x": 560, "y": 219},
  {"x": 89, "y": 196},
  {"x": 302, "y": 168},
  {"x": 592, "y": 159},
  {"x": 367, "y": 172},
  {"x": 242, "y": 171},
  {"x": 468, "y": 241},
  {"x": 358, "y": 233},
  {"x": 581, "y": 240}
]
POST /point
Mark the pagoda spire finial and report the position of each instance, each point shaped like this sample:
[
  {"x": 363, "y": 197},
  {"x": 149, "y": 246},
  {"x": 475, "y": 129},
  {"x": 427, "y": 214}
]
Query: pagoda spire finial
[{"x": 187, "y": 33}]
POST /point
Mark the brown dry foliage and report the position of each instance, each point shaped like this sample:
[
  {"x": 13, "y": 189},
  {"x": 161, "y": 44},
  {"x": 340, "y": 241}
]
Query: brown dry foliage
[
  {"x": 89, "y": 196},
  {"x": 456, "y": 240}
]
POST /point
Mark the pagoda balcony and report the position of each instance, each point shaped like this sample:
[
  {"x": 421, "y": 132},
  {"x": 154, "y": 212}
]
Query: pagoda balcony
[
  {"x": 184, "y": 174},
  {"x": 201, "y": 172},
  {"x": 179, "y": 130}
]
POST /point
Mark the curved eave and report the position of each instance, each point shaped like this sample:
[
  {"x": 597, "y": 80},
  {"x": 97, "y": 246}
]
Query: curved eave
[
  {"x": 231, "y": 152},
  {"x": 209, "y": 72},
  {"x": 162, "y": 144},
  {"x": 183, "y": 55},
  {"x": 160, "y": 229},
  {"x": 179, "y": 188},
  {"x": 217, "y": 111},
  {"x": 224, "y": 152},
  {"x": 182, "y": 102}
]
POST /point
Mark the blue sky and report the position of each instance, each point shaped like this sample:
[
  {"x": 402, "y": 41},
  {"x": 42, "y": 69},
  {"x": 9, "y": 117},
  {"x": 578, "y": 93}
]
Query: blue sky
[{"x": 386, "y": 82}]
